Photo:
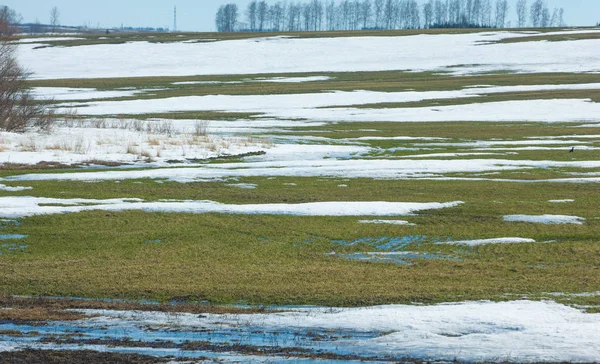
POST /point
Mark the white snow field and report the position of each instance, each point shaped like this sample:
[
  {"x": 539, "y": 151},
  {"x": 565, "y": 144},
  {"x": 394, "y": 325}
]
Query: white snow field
[
  {"x": 518, "y": 331},
  {"x": 469, "y": 53},
  {"x": 18, "y": 207}
]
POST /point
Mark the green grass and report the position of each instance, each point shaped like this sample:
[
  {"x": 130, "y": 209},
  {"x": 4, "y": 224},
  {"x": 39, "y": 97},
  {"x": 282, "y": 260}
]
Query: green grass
[
  {"x": 281, "y": 259},
  {"x": 230, "y": 259},
  {"x": 553, "y": 38}
]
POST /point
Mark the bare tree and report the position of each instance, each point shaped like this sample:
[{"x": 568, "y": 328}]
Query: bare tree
[
  {"x": 261, "y": 14},
  {"x": 501, "y": 12},
  {"x": 545, "y": 21},
  {"x": 536, "y": 12},
  {"x": 251, "y": 12},
  {"x": 428, "y": 14},
  {"x": 486, "y": 13},
  {"x": 561, "y": 17},
  {"x": 18, "y": 110},
  {"x": 54, "y": 18},
  {"x": 277, "y": 14},
  {"x": 378, "y": 7},
  {"x": 8, "y": 21},
  {"x": 227, "y": 18},
  {"x": 521, "y": 13},
  {"x": 330, "y": 14},
  {"x": 366, "y": 9}
]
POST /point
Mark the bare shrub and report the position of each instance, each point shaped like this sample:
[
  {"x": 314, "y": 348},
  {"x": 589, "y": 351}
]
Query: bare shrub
[
  {"x": 18, "y": 109},
  {"x": 164, "y": 127},
  {"x": 201, "y": 128}
]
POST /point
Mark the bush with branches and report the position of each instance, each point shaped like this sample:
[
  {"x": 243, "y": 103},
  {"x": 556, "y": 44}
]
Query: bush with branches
[{"x": 19, "y": 111}]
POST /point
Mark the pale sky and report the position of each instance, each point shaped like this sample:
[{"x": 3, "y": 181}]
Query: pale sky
[{"x": 198, "y": 15}]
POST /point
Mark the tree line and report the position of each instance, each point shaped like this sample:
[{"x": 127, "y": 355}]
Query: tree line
[{"x": 320, "y": 15}]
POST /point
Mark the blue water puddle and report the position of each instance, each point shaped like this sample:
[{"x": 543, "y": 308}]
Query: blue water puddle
[
  {"x": 12, "y": 236},
  {"x": 9, "y": 223},
  {"x": 11, "y": 248},
  {"x": 396, "y": 258},
  {"x": 387, "y": 249},
  {"x": 389, "y": 244},
  {"x": 157, "y": 241},
  {"x": 313, "y": 340}
]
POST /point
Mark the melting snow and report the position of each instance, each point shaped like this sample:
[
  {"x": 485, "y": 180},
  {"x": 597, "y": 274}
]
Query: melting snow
[
  {"x": 545, "y": 219},
  {"x": 14, "y": 189},
  {"x": 519, "y": 331},
  {"x": 17, "y": 207},
  {"x": 66, "y": 93},
  {"x": 488, "y": 241},
  {"x": 388, "y": 222}
]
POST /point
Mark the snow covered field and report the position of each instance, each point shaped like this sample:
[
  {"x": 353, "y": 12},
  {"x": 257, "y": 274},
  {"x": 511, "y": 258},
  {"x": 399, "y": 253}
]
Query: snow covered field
[{"x": 469, "y": 53}]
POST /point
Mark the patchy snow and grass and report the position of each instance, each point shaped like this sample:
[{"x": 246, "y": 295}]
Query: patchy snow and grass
[
  {"x": 558, "y": 110},
  {"x": 561, "y": 201},
  {"x": 314, "y": 106},
  {"x": 546, "y": 219},
  {"x": 17, "y": 207},
  {"x": 67, "y": 93},
  {"x": 297, "y": 165},
  {"x": 478, "y": 242}
]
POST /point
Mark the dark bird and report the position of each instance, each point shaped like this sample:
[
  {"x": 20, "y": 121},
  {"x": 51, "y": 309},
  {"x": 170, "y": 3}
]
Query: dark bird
[{"x": 572, "y": 150}]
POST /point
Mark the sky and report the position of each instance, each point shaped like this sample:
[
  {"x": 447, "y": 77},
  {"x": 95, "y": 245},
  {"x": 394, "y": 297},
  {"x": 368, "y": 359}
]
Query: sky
[{"x": 198, "y": 15}]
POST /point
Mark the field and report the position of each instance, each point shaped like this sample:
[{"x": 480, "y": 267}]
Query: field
[{"x": 329, "y": 198}]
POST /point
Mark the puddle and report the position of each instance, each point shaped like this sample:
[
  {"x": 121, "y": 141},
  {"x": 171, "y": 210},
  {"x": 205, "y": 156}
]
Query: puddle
[
  {"x": 12, "y": 236},
  {"x": 9, "y": 223},
  {"x": 11, "y": 248},
  {"x": 390, "y": 249},
  {"x": 211, "y": 339},
  {"x": 396, "y": 257},
  {"x": 157, "y": 241},
  {"x": 385, "y": 243}
]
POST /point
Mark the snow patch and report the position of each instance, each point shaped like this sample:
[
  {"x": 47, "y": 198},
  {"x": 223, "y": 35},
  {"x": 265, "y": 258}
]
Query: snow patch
[
  {"x": 14, "y": 189},
  {"x": 67, "y": 93},
  {"x": 545, "y": 219},
  {"x": 17, "y": 207},
  {"x": 478, "y": 242},
  {"x": 387, "y": 222}
]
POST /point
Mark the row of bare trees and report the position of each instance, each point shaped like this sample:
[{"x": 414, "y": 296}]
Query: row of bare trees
[
  {"x": 315, "y": 15},
  {"x": 18, "y": 109}
]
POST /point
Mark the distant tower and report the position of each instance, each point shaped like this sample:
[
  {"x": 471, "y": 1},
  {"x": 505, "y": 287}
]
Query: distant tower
[{"x": 175, "y": 19}]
